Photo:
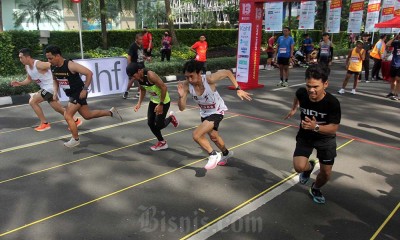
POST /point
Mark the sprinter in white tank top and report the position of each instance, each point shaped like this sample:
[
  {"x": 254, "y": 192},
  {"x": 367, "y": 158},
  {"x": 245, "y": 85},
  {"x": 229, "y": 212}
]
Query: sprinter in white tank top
[
  {"x": 212, "y": 108},
  {"x": 40, "y": 73}
]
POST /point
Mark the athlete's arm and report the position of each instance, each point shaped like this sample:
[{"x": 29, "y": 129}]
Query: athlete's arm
[
  {"x": 141, "y": 97},
  {"x": 77, "y": 68},
  {"x": 55, "y": 88},
  {"x": 43, "y": 66},
  {"x": 27, "y": 80},
  {"x": 328, "y": 129},
  {"x": 222, "y": 74},
  {"x": 294, "y": 108},
  {"x": 183, "y": 90}
]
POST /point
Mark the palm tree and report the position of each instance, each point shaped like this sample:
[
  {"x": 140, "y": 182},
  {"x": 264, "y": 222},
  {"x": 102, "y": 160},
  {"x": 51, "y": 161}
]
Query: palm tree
[
  {"x": 35, "y": 11},
  {"x": 1, "y": 18}
]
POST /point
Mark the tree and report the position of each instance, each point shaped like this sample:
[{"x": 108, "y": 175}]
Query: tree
[
  {"x": 1, "y": 18},
  {"x": 36, "y": 11},
  {"x": 103, "y": 15},
  {"x": 170, "y": 20}
]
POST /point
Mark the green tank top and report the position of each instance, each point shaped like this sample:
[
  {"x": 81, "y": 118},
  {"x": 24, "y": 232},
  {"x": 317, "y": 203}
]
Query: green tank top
[{"x": 153, "y": 90}]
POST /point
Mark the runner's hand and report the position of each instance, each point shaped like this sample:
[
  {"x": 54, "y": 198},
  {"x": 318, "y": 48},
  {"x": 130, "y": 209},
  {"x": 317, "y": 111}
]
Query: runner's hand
[
  {"x": 15, "y": 84},
  {"x": 136, "y": 108},
  {"x": 242, "y": 94}
]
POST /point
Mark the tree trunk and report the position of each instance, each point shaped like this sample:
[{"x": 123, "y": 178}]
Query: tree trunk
[
  {"x": 324, "y": 13},
  {"x": 1, "y": 18},
  {"x": 103, "y": 24},
  {"x": 290, "y": 14},
  {"x": 37, "y": 18},
  {"x": 170, "y": 22}
]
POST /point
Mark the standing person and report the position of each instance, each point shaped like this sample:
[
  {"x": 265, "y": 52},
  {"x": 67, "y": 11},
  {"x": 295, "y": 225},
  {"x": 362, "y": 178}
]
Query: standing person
[
  {"x": 377, "y": 55},
  {"x": 308, "y": 47},
  {"x": 367, "y": 48},
  {"x": 159, "y": 102},
  {"x": 40, "y": 73},
  {"x": 325, "y": 51},
  {"x": 147, "y": 43},
  {"x": 200, "y": 48},
  {"x": 354, "y": 62},
  {"x": 285, "y": 48},
  {"x": 320, "y": 119},
  {"x": 67, "y": 76},
  {"x": 166, "y": 42},
  {"x": 212, "y": 107},
  {"x": 135, "y": 54},
  {"x": 394, "y": 68},
  {"x": 270, "y": 52}
]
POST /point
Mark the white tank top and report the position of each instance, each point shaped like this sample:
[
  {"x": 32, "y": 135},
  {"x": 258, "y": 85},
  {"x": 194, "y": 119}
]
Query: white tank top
[
  {"x": 209, "y": 102},
  {"x": 45, "y": 81}
]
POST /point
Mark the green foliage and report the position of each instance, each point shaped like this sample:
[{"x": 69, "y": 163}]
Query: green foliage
[
  {"x": 7, "y": 90},
  {"x": 25, "y": 39},
  {"x": 35, "y": 11},
  {"x": 111, "y": 52},
  {"x": 182, "y": 52},
  {"x": 7, "y": 65}
]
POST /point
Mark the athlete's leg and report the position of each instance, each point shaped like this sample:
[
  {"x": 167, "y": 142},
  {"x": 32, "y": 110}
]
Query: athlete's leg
[
  {"x": 34, "y": 102},
  {"x": 323, "y": 175},
  {"x": 217, "y": 139},
  {"x": 87, "y": 114},
  {"x": 199, "y": 135},
  {"x": 69, "y": 117}
]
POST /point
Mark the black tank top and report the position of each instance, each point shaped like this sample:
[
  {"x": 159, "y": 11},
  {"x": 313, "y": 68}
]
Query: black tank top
[
  {"x": 146, "y": 81},
  {"x": 74, "y": 79}
]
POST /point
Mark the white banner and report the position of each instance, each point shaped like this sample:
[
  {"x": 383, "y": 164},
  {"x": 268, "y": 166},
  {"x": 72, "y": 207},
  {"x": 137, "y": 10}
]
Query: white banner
[
  {"x": 109, "y": 76},
  {"x": 273, "y": 16},
  {"x": 243, "y": 52},
  {"x": 307, "y": 15},
  {"x": 396, "y": 14},
  {"x": 372, "y": 15},
  {"x": 387, "y": 14},
  {"x": 355, "y": 16},
  {"x": 334, "y": 16}
]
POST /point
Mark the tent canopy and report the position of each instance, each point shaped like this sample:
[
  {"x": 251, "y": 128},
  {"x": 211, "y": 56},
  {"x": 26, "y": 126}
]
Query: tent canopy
[{"x": 392, "y": 23}]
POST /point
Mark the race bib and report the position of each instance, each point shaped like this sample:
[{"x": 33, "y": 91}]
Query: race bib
[
  {"x": 208, "y": 106},
  {"x": 282, "y": 50},
  {"x": 354, "y": 59},
  {"x": 398, "y": 52},
  {"x": 153, "y": 94},
  {"x": 324, "y": 50},
  {"x": 63, "y": 83},
  {"x": 37, "y": 81}
]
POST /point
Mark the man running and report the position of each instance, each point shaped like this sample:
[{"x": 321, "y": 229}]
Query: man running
[
  {"x": 212, "y": 108},
  {"x": 320, "y": 118},
  {"x": 285, "y": 48},
  {"x": 40, "y": 73},
  {"x": 159, "y": 102},
  {"x": 66, "y": 74}
]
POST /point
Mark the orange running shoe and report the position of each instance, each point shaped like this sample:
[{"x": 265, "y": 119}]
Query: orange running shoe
[{"x": 43, "y": 127}]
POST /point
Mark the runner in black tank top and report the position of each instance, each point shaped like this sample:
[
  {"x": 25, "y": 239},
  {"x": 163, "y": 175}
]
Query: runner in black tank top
[{"x": 66, "y": 73}]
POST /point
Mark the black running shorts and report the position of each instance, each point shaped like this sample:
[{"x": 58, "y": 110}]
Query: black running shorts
[
  {"x": 394, "y": 72},
  {"x": 74, "y": 98},
  {"x": 46, "y": 95},
  {"x": 216, "y": 118},
  {"x": 283, "y": 61},
  {"x": 326, "y": 149}
]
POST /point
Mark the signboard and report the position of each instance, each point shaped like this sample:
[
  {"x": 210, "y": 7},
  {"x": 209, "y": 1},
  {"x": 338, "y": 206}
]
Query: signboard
[
  {"x": 307, "y": 15},
  {"x": 334, "y": 16},
  {"x": 372, "y": 15},
  {"x": 387, "y": 14},
  {"x": 273, "y": 16},
  {"x": 355, "y": 16}
]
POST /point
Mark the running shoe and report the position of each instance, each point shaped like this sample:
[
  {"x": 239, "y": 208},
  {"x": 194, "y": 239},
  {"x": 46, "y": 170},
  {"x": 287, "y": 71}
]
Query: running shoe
[
  {"x": 72, "y": 143},
  {"x": 78, "y": 122},
  {"x": 305, "y": 176},
  {"x": 213, "y": 161},
  {"x": 125, "y": 96},
  {"x": 280, "y": 84},
  {"x": 353, "y": 91},
  {"x": 316, "y": 195},
  {"x": 394, "y": 97},
  {"x": 174, "y": 120},
  {"x": 285, "y": 84},
  {"x": 341, "y": 91},
  {"x": 224, "y": 159},
  {"x": 137, "y": 95},
  {"x": 389, "y": 95},
  {"x": 115, "y": 114},
  {"x": 160, "y": 145},
  {"x": 43, "y": 127}
]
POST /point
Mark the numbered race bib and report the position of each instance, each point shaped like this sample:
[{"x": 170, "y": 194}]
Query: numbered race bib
[
  {"x": 398, "y": 52},
  {"x": 37, "y": 81},
  {"x": 324, "y": 50},
  {"x": 63, "y": 83},
  {"x": 354, "y": 59},
  {"x": 282, "y": 50}
]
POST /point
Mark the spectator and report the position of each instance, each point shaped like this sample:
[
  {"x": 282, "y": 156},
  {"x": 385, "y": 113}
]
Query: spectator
[
  {"x": 200, "y": 48},
  {"x": 147, "y": 43},
  {"x": 325, "y": 51},
  {"x": 285, "y": 48},
  {"x": 166, "y": 42},
  {"x": 367, "y": 48},
  {"x": 270, "y": 51},
  {"x": 308, "y": 46},
  {"x": 377, "y": 55}
]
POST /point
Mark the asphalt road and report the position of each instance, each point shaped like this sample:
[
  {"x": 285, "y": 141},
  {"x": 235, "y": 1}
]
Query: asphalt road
[{"x": 113, "y": 186}]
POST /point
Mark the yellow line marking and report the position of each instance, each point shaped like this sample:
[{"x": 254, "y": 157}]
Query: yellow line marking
[
  {"x": 127, "y": 188},
  {"x": 386, "y": 221},
  {"x": 250, "y": 200}
]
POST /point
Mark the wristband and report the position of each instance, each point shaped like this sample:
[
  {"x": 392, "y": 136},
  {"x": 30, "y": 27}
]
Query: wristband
[
  {"x": 238, "y": 88},
  {"x": 85, "y": 88},
  {"x": 161, "y": 103}
]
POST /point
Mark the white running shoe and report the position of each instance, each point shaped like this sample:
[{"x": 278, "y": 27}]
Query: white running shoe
[
  {"x": 353, "y": 91},
  {"x": 341, "y": 91},
  {"x": 213, "y": 161},
  {"x": 224, "y": 159},
  {"x": 72, "y": 143},
  {"x": 115, "y": 114}
]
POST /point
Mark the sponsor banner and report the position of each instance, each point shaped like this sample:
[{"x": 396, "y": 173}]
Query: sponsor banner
[
  {"x": 109, "y": 76},
  {"x": 273, "y": 16},
  {"x": 387, "y": 14},
  {"x": 396, "y": 14},
  {"x": 334, "y": 16},
  {"x": 374, "y": 6},
  {"x": 307, "y": 15},
  {"x": 243, "y": 52},
  {"x": 355, "y": 16}
]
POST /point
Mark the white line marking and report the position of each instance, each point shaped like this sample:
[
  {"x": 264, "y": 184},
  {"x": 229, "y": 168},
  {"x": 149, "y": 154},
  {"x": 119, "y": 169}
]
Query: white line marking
[{"x": 295, "y": 85}]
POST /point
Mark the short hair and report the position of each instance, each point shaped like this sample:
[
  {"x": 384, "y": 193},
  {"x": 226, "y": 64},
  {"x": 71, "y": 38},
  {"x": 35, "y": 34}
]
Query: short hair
[
  {"x": 382, "y": 36},
  {"x": 26, "y": 52},
  {"x": 325, "y": 34},
  {"x": 359, "y": 41},
  {"x": 318, "y": 71},
  {"x": 53, "y": 50},
  {"x": 138, "y": 35},
  {"x": 286, "y": 28},
  {"x": 133, "y": 68},
  {"x": 202, "y": 35},
  {"x": 192, "y": 66}
]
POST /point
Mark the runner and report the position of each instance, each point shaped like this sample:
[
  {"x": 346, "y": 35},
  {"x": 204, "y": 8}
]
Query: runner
[
  {"x": 66, "y": 74},
  {"x": 320, "y": 118},
  {"x": 354, "y": 63},
  {"x": 285, "y": 48},
  {"x": 40, "y": 73},
  {"x": 325, "y": 51},
  {"x": 212, "y": 108},
  {"x": 159, "y": 102}
]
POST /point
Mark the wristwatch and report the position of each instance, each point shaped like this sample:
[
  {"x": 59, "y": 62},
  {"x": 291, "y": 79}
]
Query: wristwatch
[
  {"x": 316, "y": 129},
  {"x": 238, "y": 88}
]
